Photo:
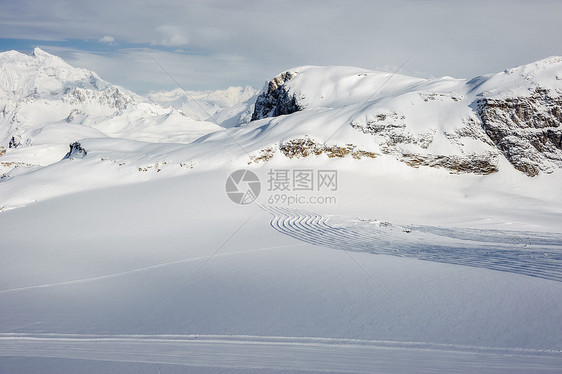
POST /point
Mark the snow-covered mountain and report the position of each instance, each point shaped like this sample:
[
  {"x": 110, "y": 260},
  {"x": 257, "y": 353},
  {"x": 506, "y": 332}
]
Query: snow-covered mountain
[
  {"x": 45, "y": 102},
  {"x": 377, "y": 121},
  {"x": 230, "y": 107},
  {"x": 462, "y": 125}
]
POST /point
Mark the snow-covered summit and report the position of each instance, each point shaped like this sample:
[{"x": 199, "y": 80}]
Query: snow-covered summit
[
  {"x": 521, "y": 81},
  {"x": 446, "y": 122},
  {"x": 335, "y": 86},
  {"x": 338, "y": 86},
  {"x": 42, "y": 75}
]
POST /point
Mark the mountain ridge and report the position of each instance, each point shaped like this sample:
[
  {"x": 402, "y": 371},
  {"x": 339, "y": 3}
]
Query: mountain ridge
[
  {"x": 330, "y": 116},
  {"x": 468, "y": 109}
]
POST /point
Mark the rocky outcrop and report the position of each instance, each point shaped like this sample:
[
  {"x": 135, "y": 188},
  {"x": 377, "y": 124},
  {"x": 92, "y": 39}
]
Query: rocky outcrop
[
  {"x": 481, "y": 164},
  {"x": 304, "y": 147},
  {"x": 527, "y": 130},
  {"x": 76, "y": 151},
  {"x": 392, "y": 130},
  {"x": 473, "y": 163},
  {"x": 20, "y": 138},
  {"x": 75, "y": 115},
  {"x": 275, "y": 99},
  {"x": 15, "y": 141},
  {"x": 393, "y": 134}
]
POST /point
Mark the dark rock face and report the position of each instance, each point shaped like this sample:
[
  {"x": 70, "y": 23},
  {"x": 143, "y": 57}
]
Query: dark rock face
[
  {"x": 276, "y": 100},
  {"x": 76, "y": 151},
  {"x": 15, "y": 141},
  {"x": 527, "y": 130}
]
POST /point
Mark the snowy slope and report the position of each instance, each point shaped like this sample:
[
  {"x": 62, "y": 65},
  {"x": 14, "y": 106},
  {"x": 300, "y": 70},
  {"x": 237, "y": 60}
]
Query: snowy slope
[{"x": 147, "y": 273}]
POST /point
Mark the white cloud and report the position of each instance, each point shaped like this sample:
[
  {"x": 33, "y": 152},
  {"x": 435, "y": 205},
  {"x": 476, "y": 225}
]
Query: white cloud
[
  {"x": 171, "y": 36},
  {"x": 262, "y": 38},
  {"x": 139, "y": 69},
  {"x": 107, "y": 39}
]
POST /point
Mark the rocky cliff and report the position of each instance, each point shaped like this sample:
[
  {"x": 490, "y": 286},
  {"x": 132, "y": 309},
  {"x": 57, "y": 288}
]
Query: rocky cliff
[
  {"x": 527, "y": 130},
  {"x": 276, "y": 99}
]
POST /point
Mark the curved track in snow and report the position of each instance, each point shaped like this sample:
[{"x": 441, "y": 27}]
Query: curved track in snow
[{"x": 528, "y": 253}]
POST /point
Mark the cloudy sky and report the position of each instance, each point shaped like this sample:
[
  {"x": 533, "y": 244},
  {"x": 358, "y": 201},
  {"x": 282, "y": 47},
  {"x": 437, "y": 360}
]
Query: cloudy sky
[{"x": 219, "y": 43}]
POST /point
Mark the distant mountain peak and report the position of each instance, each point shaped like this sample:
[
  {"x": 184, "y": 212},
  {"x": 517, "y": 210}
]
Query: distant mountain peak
[
  {"x": 41, "y": 90},
  {"x": 42, "y": 75},
  {"x": 229, "y": 107},
  {"x": 38, "y": 52}
]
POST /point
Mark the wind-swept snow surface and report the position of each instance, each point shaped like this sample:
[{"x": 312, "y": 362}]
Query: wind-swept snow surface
[{"x": 138, "y": 260}]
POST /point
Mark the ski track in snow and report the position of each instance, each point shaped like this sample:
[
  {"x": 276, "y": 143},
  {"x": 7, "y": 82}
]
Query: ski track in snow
[
  {"x": 136, "y": 270},
  {"x": 528, "y": 253},
  {"x": 287, "y": 353}
]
